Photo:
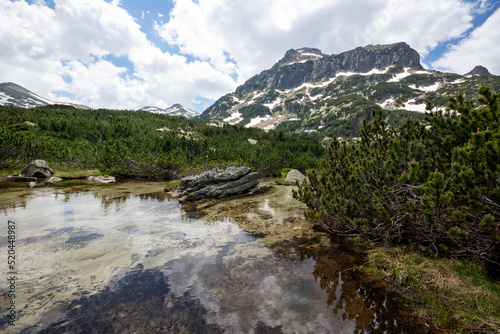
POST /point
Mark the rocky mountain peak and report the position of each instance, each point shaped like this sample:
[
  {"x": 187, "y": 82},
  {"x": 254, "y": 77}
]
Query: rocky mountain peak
[
  {"x": 308, "y": 92},
  {"x": 310, "y": 65},
  {"x": 479, "y": 70},
  {"x": 301, "y": 55}
]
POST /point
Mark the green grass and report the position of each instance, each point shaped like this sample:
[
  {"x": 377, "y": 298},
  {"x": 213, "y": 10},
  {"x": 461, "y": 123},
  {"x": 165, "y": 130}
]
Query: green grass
[
  {"x": 452, "y": 294},
  {"x": 61, "y": 172},
  {"x": 76, "y": 173},
  {"x": 172, "y": 185}
]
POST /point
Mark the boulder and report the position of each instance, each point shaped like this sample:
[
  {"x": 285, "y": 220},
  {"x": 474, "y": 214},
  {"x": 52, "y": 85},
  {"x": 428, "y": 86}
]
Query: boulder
[
  {"x": 296, "y": 176},
  {"x": 54, "y": 179},
  {"x": 37, "y": 168},
  {"x": 219, "y": 183},
  {"x": 102, "y": 179}
]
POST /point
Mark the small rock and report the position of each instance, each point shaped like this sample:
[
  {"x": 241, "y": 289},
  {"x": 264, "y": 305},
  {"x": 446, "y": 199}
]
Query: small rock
[
  {"x": 32, "y": 184},
  {"x": 54, "y": 179},
  {"x": 252, "y": 141},
  {"x": 296, "y": 176},
  {"x": 102, "y": 179}
]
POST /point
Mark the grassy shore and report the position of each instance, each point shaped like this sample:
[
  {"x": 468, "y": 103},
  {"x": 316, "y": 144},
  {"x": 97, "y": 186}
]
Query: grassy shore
[
  {"x": 455, "y": 295},
  {"x": 61, "y": 172}
]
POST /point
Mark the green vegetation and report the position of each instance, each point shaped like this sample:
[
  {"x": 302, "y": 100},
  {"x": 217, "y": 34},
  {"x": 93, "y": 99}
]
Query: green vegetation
[
  {"x": 141, "y": 144},
  {"x": 449, "y": 293},
  {"x": 434, "y": 191},
  {"x": 435, "y": 186}
]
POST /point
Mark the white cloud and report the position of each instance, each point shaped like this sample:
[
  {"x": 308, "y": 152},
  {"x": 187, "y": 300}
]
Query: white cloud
[
  {"x": 65, "y": 51},
  {"x": 256, "y": 34},
  {"x": 482, "y": 47},
  {"x": 40, "y": 47}
]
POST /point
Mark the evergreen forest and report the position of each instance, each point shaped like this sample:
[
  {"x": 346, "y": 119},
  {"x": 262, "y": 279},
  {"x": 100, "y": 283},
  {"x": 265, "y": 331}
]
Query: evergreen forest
[
  {"x": 140, "y": 144},
  {"x": 434, "y": 184}
]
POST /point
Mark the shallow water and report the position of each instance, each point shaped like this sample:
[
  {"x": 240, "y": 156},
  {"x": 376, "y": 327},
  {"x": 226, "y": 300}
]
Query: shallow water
[{"x": 127, "y": 259}]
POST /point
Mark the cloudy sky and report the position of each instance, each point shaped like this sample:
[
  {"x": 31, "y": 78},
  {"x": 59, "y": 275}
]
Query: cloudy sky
[{"x": 126, "y": 54}]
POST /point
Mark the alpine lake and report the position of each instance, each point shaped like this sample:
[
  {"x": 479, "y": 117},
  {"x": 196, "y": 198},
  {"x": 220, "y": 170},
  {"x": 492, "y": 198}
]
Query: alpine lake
[{"x": 126, "y": 258}]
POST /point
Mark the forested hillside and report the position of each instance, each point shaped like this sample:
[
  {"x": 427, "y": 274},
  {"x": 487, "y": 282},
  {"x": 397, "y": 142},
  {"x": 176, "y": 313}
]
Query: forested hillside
[{"x": 141, "y": 144}]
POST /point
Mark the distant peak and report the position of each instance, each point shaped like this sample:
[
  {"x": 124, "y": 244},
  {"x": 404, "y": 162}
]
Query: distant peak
[
  {"x": 479, "y": 70},
  {"x": 379, "y": 47},
  {"x": 301, "y": 55}
]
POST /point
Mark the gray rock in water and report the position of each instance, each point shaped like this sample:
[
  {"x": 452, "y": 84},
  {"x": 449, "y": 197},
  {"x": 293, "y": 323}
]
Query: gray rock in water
[
  {"x": 218, "y": 183},
  {"x": 296, "y": 176},
  {"x": 102, "y": 179},
  {"x": 54, "y": 179},
  {"x": 37, "y": 168}
]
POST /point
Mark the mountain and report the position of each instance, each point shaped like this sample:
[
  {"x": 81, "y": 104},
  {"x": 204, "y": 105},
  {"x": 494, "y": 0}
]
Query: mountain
[
  {"x": 330, "y": 95},
  {"x": 479, "y": 70},
  {"x": 12, "y": 94},
  {"x": 175, "y": 110}
]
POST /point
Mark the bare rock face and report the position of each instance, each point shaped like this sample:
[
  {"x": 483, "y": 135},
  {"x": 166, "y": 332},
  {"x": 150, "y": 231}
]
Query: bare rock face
[
  {"x": 37, "y": 168},
  {"x": 219, "y": 183}
]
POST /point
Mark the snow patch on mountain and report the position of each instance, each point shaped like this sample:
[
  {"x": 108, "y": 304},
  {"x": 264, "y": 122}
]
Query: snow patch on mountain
[
  {"x": 234, "y": 116},
  {"x": 387, "y": 103},
  {"x": 257, "y": 120},
  {"x": 411, "y": 106},
  {"x": 4, "y": 98},
  {"x": 273, "y": 104},
  {"x": 431, "y": 88}
]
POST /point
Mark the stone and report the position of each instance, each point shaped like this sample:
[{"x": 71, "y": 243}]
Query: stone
[
  {"x": 54, "y": 179},
  {"x": 252, "y": 141},
  {"x": 37, "y": 168},
  {"x": 213, "y": 176},
  {"x": 102, "y": 179},
  {"x": 259, "y": 189},
  {"x": 218, "y": 183},
  {"x": 294, "y": 176},
  {"x": 31, "y": 124},
  {"x": 32, "y": 184}
]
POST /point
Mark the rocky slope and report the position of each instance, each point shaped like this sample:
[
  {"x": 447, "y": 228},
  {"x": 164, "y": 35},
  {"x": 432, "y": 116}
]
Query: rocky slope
[
  {"x": 330, "y": 95},
  {"x": 12, "y": 94},
  {"x": 175, "y": 110}
]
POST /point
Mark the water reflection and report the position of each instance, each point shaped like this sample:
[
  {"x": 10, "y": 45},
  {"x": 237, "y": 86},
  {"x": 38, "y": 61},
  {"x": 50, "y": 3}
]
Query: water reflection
[{"x": 123, "y": 259}]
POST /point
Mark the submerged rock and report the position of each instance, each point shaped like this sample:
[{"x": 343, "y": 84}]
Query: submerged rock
[
  {"x": 102, "y": 179},
  {"x": 219, "y": 183}
]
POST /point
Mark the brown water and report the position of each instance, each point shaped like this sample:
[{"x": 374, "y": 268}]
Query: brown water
[{"x": 127, "y": 259}]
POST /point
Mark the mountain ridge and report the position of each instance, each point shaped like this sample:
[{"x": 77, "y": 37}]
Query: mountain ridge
[
  {"x": 308, "y": 92},
  {"x": 12, "y": 94},
  {"x": 176, "y": 109}
]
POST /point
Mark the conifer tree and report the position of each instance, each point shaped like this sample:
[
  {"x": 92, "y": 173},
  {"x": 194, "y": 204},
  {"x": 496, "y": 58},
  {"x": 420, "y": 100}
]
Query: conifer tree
[{"x": 436, "y": 185}]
